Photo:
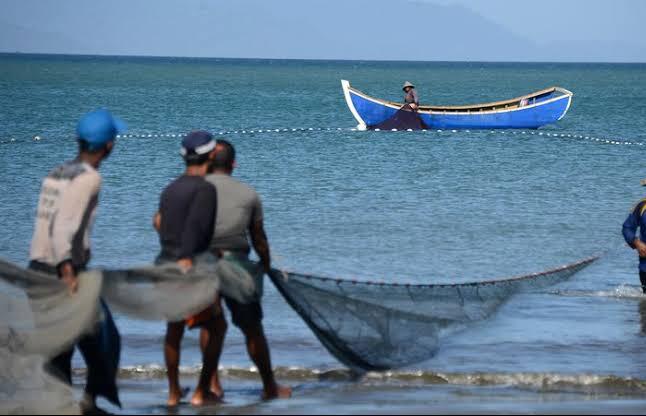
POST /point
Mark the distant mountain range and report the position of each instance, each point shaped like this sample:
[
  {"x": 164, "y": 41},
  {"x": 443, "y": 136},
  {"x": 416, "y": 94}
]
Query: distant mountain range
[{"x": 305, "y": 29}]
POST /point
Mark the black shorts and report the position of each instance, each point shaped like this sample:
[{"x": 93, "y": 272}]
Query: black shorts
[{"x": 244, "y": 315}]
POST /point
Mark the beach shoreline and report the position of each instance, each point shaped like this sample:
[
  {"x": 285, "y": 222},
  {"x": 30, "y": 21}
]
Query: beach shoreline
[{"x": 148, "y": 396}]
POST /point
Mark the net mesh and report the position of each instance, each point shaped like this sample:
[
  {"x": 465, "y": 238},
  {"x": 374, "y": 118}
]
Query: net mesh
[
  {"x": 38, "y": 314},
  {"x": 377, "y": 326},
  {"x": 166, "y": 293},
  {"x": 404, "y": 119},
  {"x": 27, "y": 389},
  {"x": 160, "y": 293},
  {"x": 40, "y": 318}
]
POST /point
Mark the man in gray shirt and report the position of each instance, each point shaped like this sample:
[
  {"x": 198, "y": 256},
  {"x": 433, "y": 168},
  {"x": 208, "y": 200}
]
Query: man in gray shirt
[{"x": 240, "y": 218}]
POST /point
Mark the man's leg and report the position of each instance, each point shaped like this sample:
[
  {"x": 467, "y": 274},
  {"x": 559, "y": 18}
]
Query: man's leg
[
  {"x": 61, "y": 365},
  {"x": 101, "y": 374},
  {"x": 211, "y": 340},
  {"x": 642, "y": 278},
  {"x": 92, "y": 357},
  {"x": 174, "y": 334},
  {"x": 259, "y": 353},
  {"x": 248, "y": 317},
  {"x": 221, "y": 331}
]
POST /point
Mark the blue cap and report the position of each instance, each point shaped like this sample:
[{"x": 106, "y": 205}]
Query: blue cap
[
  {"x": 99, "y": 127},
  {"x": 198, "y": 142}
]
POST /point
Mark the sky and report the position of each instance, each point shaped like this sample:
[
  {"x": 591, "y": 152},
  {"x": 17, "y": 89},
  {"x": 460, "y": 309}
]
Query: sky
[{"x": 427, "y": 30}]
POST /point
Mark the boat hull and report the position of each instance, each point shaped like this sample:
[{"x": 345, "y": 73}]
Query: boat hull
[{"x": 542, "y": 109}]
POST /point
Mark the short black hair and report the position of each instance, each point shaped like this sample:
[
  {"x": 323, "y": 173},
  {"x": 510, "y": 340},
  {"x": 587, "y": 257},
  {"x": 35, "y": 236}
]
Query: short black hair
[
  {"x": 193, "y": 159},
  {"x": 84, "y": 147},
  {"x": 225, "y": 155}
]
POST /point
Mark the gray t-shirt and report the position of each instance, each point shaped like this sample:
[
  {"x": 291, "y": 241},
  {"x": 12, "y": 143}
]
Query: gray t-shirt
[
  {"x": 238, "y": 206},
  {"x": 411, "y": 97}
]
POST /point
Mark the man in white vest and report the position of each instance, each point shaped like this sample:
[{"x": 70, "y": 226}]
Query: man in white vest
[{"x": 61, "y": 246}]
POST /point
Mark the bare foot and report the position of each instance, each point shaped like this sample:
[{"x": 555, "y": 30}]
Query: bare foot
[
  {"x": 202, "y": 399},
  {"x": 279, "y": 392},
  {"x": 216, "y": 388},
  {"x": 174, "y": 396}
]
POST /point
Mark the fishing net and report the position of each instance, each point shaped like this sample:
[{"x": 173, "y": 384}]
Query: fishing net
[
  {"x": 26, "y": 388},
  {"x": 166, "y": 293},
  {"x": 404, "y": 119},
  {"x": 39, "y": 318},
  {"x": 378, "y": 326},
  {"x": 161, "y": 293},
  {"x": 37, "y": 313}
]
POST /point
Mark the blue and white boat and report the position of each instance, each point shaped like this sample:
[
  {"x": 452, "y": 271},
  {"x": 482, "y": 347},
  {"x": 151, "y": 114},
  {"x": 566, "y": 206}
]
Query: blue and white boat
[{"x": 530, "y": 111}]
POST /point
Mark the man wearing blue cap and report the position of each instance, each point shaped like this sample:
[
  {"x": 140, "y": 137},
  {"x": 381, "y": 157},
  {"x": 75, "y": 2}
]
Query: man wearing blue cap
[
  {"x": 61, "y": 243},
  {"x": 185, "y": 223}
]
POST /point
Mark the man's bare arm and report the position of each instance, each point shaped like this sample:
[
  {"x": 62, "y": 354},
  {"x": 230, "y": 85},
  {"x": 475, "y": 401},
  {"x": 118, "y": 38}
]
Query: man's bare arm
[
  {"x": 260, "y": 243},
  {"x": 157, "y": 221}
]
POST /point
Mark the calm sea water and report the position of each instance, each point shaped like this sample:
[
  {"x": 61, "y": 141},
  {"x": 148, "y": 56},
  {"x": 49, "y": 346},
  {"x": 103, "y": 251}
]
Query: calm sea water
[{"x": 406, "y": 206}]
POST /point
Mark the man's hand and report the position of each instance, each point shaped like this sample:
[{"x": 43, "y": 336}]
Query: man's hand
[
  {"x": 68, "y": 276},
  {"x": 640, "y": 246},
  {"x": 413, "y": 106},
  {"x": 185, "y": 264},
  {"x": 157, "y": 221}
]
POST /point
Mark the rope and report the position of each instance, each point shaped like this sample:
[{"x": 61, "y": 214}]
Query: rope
[
  {"x": 441, "y": 132},
  {"x": 508, "y": 280}
]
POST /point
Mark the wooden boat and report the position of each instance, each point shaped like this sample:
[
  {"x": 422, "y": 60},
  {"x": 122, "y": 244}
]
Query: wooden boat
[{"x": 530, "y": 111}]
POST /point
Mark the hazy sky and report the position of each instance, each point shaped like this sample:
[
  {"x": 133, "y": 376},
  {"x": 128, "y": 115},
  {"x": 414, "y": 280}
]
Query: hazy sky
[{"x": 514, "y": 30}]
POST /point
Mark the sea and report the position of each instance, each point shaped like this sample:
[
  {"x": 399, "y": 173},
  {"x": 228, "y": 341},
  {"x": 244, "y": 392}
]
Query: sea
[{"x": 399, "y": 207}]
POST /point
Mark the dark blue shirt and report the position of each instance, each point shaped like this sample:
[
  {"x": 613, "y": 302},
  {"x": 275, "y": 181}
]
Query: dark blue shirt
[
  {"x": 188, "y": 207},
  {"x": 636, "y": 219}
]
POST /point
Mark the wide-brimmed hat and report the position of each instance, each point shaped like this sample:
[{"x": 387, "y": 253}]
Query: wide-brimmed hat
[{"x": 407, "y": 84}]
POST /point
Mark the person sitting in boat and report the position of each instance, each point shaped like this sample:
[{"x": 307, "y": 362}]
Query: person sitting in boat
[{"x": 411, "y": 99}]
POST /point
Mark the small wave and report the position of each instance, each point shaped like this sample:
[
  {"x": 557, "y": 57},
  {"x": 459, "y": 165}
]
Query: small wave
[
  {"x": 289, "y": 373},
  {"x": 622, "y": 292},
  {"x": 543, "y": 382}
]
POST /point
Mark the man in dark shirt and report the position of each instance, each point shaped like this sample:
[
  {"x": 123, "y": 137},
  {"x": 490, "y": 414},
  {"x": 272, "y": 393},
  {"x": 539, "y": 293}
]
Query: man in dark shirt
[{"x": 185, "y": 222}]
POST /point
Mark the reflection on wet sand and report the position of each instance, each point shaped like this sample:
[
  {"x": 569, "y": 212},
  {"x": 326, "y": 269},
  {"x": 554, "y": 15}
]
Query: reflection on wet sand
[{"x": 642, "y": 316}]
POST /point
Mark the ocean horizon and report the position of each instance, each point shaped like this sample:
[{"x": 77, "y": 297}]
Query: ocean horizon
[{"x": 398, "y": 207}]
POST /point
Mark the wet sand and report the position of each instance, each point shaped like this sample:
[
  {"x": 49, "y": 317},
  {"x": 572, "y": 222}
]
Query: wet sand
[{"x": 148, "y": 396}]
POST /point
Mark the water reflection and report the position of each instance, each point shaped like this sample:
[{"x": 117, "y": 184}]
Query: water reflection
[{"x": 642, "y": 316}]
